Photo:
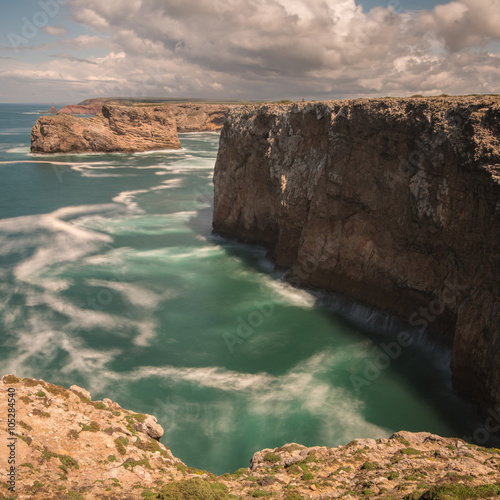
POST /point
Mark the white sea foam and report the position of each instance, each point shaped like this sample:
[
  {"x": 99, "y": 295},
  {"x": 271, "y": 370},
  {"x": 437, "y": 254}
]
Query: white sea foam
[
  {"x": 19, "y": 149},
  {"x": 289, "y": 295},
  {"x": 171, "y": 183},
  {"x": 303, "y": 389},
  {"x": 58, "y": 242},
  {"x": 126, "y": 198},
  {"x": 135, "y": 294}
]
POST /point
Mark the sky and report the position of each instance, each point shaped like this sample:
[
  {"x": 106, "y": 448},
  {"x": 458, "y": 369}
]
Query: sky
[{"x": 65, "y": 51}]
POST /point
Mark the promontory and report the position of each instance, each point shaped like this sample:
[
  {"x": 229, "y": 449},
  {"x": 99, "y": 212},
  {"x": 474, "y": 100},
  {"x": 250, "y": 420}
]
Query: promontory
[
  {"x": 123, "y": 126},
  {"x": 393, "y": 202}
]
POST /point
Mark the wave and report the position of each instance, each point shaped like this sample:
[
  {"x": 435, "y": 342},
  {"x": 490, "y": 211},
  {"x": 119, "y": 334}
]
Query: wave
[{"x": 301, "y": 390}]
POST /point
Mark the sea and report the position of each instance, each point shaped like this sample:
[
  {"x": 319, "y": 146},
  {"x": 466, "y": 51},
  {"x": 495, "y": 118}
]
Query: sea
[{"x": 111, "y": 279}]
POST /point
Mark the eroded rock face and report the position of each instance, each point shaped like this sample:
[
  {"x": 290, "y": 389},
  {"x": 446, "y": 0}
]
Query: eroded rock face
[
  {"x": 79, "y": 109},
  {"x": 116, "y": 129},
  {"x": 394, "y": 202},
  {"x": 199, "y": 117}
]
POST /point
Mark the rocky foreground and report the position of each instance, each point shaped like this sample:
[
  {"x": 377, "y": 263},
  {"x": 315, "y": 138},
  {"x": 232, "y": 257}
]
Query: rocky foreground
[
  {"x": 393, "y": 202},
  {"x": 67, "y": 446}
]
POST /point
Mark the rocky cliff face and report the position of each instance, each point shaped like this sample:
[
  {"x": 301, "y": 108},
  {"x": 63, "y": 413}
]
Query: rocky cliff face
[
  {"x": 59, "y": 444},
  {"x": 199, "y": 117},
  {"x": 116, "y": 129},
  {"x": 394, "y": 202},
  {"x": 190, "y": 117}
]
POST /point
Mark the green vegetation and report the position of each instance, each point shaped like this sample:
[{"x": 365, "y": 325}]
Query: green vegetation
[
  {"x": 134, "y": 463},
  {"x": 410, "y": 451},
  {"x": 111, "y": 458},
  {"x": 272, "y": 457},
  {"x": 294, "y": 469},
  {"x": 193, "y": 489},
  {"x": 29, "y": 382},
  {"x": 25, "y": 426},
  {"x": 120, "y": 443},
  {"x": 74, "y": 495},
  {"x": 40, "y": 413},
  {"x": 73, "y": 434},
  {"x": 292, "y": 495},
  {"x": 11, "y": 379},
  {"x": 462, "y": 492},
  {"x": 40, "y": 394},
  {"x": 100, "y": 406},
  {"x": 370, "y": 465},
  {"x": 93, "y": 427},
  {"x": 307, "y": 476},
  {"x": 259, "y": 493},
  {"x": 393, "y": 475},
  {"x": 238, "y": 473}
]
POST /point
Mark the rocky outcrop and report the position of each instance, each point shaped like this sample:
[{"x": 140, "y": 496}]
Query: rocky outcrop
[
  {"x": 116, "y": 129},
  {"x": 59, "y": 444},
  {"x": 189, "y": 116},
  {"x": 78, "y": 109},
  {"x": 199, "y": 117},
  {"x": 394, "y": 202}
]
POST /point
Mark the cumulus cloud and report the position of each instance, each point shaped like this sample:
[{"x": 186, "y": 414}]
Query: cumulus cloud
[
  {"x": 55, "y": 30},
  {"x": 464, "y": 23},
  {"x": 281, "y": 49}
]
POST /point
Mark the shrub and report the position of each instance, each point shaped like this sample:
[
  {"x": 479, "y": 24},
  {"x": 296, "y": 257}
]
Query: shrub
[
  {"x": 462, "y": 492},
  {"x": 120, "y": 444},
  {"x": 193, "y": 489},
  {"x": 272, "y": 457},
  {"x": 259, "y": 493},
  {"x": 370, "y": 465},
  {"x": 307, "y": 476},
  {"x": 410, "y": 451}
]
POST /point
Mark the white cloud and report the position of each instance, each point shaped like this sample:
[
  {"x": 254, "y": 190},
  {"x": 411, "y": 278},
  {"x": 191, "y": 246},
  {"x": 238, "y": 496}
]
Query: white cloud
[
  {"x": 279, "y": 49},
  {"x": 55, "y": 30}
]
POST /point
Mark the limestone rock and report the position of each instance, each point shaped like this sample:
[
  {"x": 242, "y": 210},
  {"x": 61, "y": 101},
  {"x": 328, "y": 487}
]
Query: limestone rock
[
  {"x": 393, "y": 202},
  {"x": 116, "y": 129},
  {"x": 82, "y": 392},
  {"x": 151, "y": 427},
  {"x": 85, "y": 446},
  {"x": 78, "y": 109}
]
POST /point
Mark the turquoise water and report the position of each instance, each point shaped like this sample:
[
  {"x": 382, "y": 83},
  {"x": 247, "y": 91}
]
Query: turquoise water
[{"x": 110, "y": 279}]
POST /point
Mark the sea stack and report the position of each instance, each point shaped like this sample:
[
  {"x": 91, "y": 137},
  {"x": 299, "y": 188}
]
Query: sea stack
[{"x": 115, "y": 129}]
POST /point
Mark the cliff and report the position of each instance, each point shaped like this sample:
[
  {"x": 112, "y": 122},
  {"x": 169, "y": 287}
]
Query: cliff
[
  {"x": 190, "y": 117},
  {"x": 199, "y": 117},
  {"x": 393, "y": 202},
  {"x": 59, "y": 444},
  {"x": 79, "y": 109},
  {"x": 116, "y": 129}
]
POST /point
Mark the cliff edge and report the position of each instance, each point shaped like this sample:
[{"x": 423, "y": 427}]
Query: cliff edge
[
  {"x": 394, "y": 202},
  {"x": 115, "y": 129},
  {"x": 59, "y": 444}
]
